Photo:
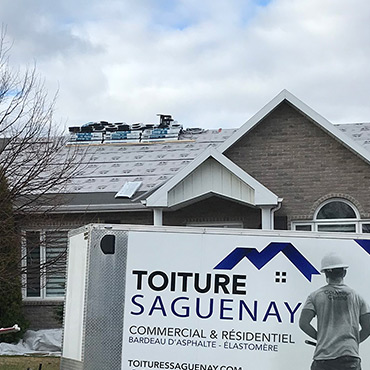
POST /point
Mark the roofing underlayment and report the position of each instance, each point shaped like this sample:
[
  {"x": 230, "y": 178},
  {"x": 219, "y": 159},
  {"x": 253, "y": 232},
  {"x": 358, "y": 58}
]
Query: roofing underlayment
[
  {"x": 359, "y": 132},
  {"x": 110, "y": 166}
]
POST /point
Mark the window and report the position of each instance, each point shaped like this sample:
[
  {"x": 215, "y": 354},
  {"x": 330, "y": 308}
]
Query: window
[
  {"x": 303, "y": 227},
  {"x": 335, "y": 215},
  {"x": 45, "y": 264},
  {"x": 366, "y": 228},
  {"x": 337, "y": 228},
  {"x": 334, "y": 210}
]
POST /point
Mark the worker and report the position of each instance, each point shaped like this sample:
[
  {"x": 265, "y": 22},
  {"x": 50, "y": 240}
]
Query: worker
[{"x": 343, "y": 319}]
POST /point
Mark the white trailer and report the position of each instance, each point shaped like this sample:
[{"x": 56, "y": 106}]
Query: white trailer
[{"x": 145, "y": 297}]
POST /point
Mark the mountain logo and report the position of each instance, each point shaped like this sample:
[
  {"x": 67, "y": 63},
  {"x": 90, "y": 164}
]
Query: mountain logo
[{"x": 260, "y": 259}]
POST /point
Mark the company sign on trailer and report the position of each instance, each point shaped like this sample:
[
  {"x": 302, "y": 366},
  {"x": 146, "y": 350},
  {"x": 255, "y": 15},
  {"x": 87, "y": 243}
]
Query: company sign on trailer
[{"x": 199, "y": 299}]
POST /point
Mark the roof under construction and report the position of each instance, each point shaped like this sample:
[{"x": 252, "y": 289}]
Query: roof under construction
[{"x": 110, "y": 165}]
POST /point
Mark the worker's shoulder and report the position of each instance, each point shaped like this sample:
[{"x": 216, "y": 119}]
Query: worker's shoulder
[{"x": 330, "y": 289}]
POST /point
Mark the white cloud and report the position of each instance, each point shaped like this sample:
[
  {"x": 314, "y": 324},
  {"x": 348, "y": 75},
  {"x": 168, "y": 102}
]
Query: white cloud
[{"x": 209, "y": 63}]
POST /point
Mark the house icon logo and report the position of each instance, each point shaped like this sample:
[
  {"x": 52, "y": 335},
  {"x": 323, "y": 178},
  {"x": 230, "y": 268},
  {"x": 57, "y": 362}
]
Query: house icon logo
[{"x": 260, "y": 259}]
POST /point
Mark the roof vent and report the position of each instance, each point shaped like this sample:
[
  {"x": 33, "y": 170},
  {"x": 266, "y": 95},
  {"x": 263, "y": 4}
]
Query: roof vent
[{"x": 128, "y": 189}]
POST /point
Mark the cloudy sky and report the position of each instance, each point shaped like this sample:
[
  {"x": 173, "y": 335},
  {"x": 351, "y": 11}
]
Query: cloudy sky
[{"x": 209, "y": 63}]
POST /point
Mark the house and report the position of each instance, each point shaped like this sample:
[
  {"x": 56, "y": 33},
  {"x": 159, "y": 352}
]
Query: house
[{"x": 287, "y": 167}]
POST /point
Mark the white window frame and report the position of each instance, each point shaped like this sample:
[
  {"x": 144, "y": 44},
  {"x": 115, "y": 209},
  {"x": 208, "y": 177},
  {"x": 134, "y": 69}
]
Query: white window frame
[
  {"x": 364, "y": 223},
  {"x": 331, "y": 200},
  {"x": 294, "y": 224},
  {"x": 315, "y": 223},
  {"x": 43, "y": 296}
]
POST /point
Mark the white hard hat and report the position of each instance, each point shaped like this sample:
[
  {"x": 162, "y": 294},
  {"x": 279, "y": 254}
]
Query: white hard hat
[{"x": 332, "y": 261}]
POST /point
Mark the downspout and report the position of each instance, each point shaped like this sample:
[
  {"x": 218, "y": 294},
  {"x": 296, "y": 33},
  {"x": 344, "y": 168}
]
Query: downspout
[{"x": 273, "y": 210}]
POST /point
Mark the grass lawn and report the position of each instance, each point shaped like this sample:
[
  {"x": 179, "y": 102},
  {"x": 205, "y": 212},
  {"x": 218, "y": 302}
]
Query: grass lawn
[{"x": 29, "y": 362}]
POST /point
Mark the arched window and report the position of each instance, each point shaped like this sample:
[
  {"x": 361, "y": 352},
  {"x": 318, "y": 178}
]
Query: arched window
[
  {"x": 335, "y": 215},
  {"x": 334, "y": 210}
]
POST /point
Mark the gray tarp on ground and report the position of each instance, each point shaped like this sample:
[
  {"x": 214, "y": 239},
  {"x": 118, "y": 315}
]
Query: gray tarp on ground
[{"x": 45, "y": 342}]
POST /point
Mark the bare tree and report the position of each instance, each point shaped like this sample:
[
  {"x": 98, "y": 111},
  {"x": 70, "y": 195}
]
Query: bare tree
[
  {"x": 35, "y": 164},
  {"x": 30, "y": 145}
]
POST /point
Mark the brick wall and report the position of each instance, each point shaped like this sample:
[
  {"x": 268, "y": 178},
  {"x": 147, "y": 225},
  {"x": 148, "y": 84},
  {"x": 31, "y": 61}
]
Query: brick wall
[
  {"x": 298, "y": 161},
  {"x": 214, "y": 209},
  {"x": 75, "y": 220},
  {"x": 42, "y": 315}
]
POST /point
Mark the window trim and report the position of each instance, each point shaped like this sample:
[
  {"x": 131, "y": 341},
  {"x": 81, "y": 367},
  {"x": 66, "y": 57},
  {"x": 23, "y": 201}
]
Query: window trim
[
  {"x": 304, "y": 224},
  {"x": 43, "y": 297},
  {"x": 331, "y": 200},
  {"x": 315, "y": 222},
  {"x": 364, "y": 222}
]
